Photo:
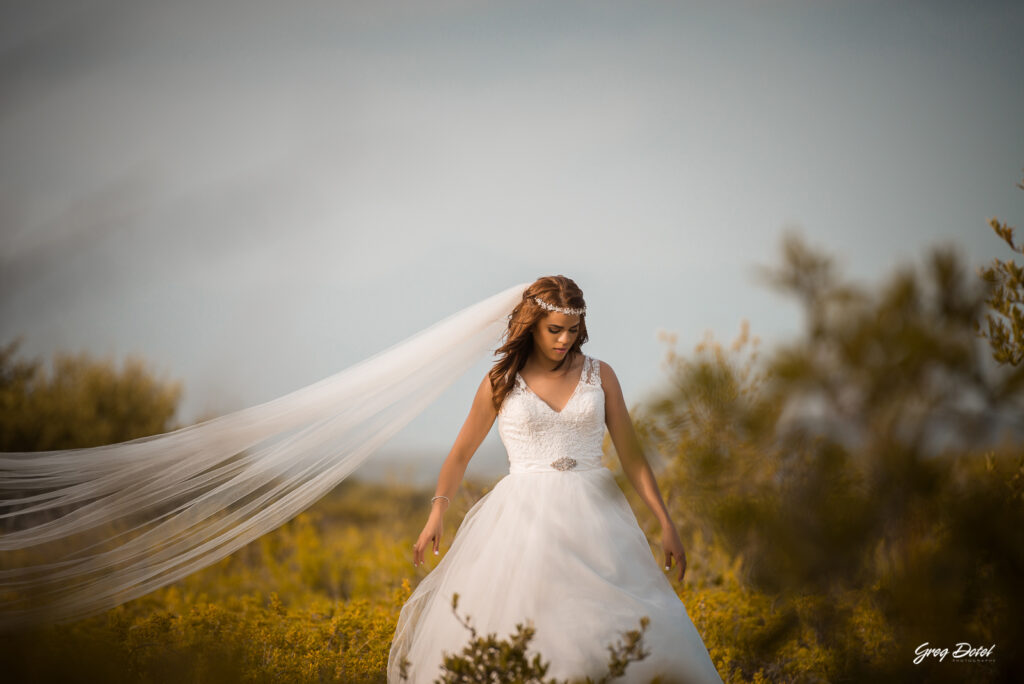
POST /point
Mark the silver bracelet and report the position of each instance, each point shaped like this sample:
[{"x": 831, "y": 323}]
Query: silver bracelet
[{"x": 441, "y": 496}]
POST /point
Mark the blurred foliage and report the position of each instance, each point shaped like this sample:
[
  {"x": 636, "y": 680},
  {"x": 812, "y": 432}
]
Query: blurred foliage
[
  {"x": 1006, "y": 301},
  {"x": 865, "y": 480},
  {"x": 490, "y": 659},
  {"x": 315, "y": 600},
  {"x": 83, "y": 402}
]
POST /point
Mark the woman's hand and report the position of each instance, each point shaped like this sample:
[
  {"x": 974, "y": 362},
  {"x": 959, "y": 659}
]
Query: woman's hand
[
  {"x": 673, "y": 549},
  {"x": 432, "y": 532}
]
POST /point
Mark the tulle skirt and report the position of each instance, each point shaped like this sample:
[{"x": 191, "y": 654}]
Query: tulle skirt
[{"x": 563, "y": 551}]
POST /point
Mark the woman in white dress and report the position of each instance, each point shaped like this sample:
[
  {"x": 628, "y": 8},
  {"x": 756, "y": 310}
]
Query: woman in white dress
[{"x": 554, "y": 542}]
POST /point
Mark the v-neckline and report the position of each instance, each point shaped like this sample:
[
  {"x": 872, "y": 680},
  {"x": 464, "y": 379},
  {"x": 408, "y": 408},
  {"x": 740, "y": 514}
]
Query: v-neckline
[{"x": 583, "y": 368}]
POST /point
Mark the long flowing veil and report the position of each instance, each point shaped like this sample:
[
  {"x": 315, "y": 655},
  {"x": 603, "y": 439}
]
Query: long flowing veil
[{"x": 88, "y": 529}]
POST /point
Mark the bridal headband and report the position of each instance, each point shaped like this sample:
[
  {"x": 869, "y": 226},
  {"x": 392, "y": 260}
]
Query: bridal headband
[{"x": 560, "y": 309}]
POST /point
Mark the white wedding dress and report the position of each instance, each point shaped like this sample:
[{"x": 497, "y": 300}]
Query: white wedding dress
[{"x": 554, "y": 542}]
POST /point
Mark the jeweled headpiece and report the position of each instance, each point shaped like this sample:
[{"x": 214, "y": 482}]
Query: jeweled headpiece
[{"x": 560, "y": 309}]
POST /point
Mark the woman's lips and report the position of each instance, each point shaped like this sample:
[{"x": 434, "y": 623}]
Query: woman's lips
[{"x": 560, "y": 351}]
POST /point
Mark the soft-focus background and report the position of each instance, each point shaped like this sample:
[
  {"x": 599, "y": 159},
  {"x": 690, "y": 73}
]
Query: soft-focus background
[
  {"x": 792, "y": 222},
  {"x": 254, "y": 195}
]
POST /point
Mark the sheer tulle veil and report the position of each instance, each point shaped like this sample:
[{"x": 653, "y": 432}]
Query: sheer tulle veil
[{"x": 84, "y": 530}]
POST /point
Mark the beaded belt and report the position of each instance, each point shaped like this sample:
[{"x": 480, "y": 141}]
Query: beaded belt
[{"x": 562, "y": 464}]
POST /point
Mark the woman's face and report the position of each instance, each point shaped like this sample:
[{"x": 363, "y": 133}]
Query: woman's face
[{"x": 554, "y": 334}]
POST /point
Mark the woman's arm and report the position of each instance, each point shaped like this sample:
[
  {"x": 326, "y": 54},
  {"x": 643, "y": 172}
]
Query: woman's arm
[
  {"x": 474, "y": 430},
  {"x": 636, "y": 467}
]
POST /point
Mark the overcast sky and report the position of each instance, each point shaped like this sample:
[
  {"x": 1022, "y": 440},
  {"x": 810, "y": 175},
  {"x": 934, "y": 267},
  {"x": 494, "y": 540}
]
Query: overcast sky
[{"x": 255, "y": 195}]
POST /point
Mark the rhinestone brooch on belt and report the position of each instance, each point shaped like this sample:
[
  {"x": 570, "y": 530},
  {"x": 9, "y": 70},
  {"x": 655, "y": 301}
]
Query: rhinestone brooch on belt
[{"x": 564, "y": 463}]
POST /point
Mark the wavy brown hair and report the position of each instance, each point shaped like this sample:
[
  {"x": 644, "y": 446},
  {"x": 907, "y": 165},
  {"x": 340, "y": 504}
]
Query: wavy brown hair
[{"x": 557, "y": 290}]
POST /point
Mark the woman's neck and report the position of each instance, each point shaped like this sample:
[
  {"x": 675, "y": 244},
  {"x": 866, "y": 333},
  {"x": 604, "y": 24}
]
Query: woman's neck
[{"x": 545, "y": 365}]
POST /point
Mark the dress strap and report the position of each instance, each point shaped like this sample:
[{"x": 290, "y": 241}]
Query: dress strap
[{"x": 591, "y": 371}]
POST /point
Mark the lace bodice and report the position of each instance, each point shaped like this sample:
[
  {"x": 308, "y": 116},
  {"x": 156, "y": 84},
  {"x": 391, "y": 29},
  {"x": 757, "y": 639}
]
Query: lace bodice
[{"x": 539, "y": 438}]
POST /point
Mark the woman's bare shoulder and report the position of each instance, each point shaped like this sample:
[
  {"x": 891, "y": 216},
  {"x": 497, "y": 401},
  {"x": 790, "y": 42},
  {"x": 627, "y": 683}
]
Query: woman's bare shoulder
[
  {"x": 484, "y": 399},
  {"x": 607, "y": 373},
  {"x": 485, "y": 389}
]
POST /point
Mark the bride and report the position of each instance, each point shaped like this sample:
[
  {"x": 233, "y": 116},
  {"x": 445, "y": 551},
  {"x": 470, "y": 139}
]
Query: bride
[{"x": 554, "y": 542}]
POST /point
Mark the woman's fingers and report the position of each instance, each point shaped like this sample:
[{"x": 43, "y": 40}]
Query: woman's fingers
[
  {"x": 680, "y": 561},
  {"x": 419, "y": 548},
  {"x": 430, "y": 536},
  {"x": 680, "y": 556}
]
